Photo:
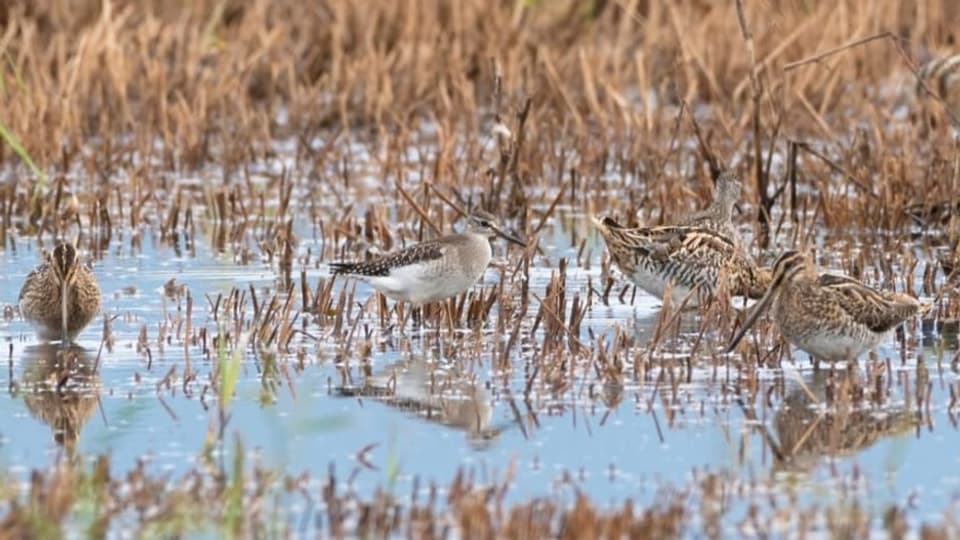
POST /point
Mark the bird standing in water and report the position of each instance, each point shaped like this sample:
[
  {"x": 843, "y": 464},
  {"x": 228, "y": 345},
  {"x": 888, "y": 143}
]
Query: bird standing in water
[
  {"x": 435, "y": 269},
  {"x": 688, "y": 258},
  {"x": 61, "y": 296},
  {"x": 834, "y": 318},
  {"x": 700, "y": 252}
]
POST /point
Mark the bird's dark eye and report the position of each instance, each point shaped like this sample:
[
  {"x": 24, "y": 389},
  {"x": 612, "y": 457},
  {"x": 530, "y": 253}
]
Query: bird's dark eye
[{"x": 484, "y": 223}]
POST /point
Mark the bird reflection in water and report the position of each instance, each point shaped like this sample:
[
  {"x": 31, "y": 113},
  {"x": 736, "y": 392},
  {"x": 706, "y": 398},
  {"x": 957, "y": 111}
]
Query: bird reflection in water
[
  {"x": 445, "y": 396},
  {"x": 809, "y": 428},
  {"x": 60, "y": 388}
]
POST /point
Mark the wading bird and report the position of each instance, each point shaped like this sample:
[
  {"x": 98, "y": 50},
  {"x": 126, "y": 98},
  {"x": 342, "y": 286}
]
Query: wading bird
[
  {"x": 61, "y": 296},
  {"x": 688, "y": 257},
  {"x": 834, "y": 318},
  {"x": 433, "y": 270}
]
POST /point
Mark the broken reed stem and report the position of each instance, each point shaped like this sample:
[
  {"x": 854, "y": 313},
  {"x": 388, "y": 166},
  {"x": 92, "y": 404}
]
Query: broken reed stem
[
  {"x": 673, "y": 139},
  {"x": 862, "y": 41},
  {"x": 755, "y": 92},
  {"x": 916, "y": 73},
  {"x": 704, "y": 146},
  {"x": 549, "y": 213},
  {"x": 830, "y": 163},
  {"x": 790, "y": 66},
  {"x": 445, "y": 199},
  {"x": 560, "y": 322},
  {"x": 416, "y": 208}
]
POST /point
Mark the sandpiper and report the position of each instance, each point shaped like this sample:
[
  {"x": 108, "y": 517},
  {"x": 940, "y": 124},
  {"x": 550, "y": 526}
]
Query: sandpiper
[
  {"x": 61, "y": 296},
  {"x": 433, "y": 270},
  {"x": 831, "y": 317},
  {"x": 688, "y": 257}
]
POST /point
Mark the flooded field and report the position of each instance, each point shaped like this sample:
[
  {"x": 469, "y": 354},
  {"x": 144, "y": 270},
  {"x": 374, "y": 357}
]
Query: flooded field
[
  {"x": 411, "y": 412},
  {"x": 213, "y": 161}
]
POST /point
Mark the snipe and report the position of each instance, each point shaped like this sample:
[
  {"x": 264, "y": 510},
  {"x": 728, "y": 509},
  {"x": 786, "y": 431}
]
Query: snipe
[
  {"x": 831, "y": 317},
  {"x": 718, "y": 216},
  {"x": 690, "y": 258},
  {"x": 61, "y": 296},
  {"x": 941, "y": 76}
]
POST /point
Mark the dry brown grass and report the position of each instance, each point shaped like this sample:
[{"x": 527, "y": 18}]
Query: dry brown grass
[
  {"x": 124, "y": 104},
  {"x": 229, "y": 121},
  {"x": 116, "y": 93}
]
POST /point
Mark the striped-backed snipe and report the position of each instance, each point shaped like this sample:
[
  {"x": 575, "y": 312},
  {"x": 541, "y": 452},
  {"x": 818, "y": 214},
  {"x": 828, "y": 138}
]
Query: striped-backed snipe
[
  {"x": 61, "y": 296},
  {"x": 690, "y": 258},
  {"x": 831, "y": 317},
  {"x": 433, "y": 270}
]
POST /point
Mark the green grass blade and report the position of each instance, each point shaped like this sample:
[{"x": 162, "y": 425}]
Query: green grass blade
[
  {"x": 14, "y": 143},
  {"x": 229, "y": 371}
]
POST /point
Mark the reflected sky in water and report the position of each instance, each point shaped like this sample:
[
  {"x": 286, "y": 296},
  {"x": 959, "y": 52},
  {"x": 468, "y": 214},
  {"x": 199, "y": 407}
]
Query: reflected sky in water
[{"x": 431, "y": 416}]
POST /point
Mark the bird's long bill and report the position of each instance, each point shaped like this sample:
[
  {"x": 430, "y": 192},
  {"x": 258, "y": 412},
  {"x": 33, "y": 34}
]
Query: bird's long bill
[
  {"x": 755, "y": 313},
  {"x": 508, "y": 237},
  {"x": 64, "y": 311}
]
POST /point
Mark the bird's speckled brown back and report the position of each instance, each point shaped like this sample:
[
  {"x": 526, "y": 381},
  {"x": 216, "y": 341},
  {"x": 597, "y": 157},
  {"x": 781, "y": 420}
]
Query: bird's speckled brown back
[
  {"x": 833, "y": 317},
  {"x": 689, "y": 256}
]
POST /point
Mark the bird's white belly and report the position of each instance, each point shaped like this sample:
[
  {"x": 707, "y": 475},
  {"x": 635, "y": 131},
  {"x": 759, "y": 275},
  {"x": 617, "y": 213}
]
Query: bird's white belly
[
  {"x": 837, "y": 348},
  {"x": 654, "y": 284},
  {"x": 421, "y": 283}
]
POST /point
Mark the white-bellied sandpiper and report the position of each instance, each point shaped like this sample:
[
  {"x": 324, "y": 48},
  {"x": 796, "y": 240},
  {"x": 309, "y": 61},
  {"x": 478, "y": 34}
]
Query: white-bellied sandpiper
[{"x": 435, "y": 269}]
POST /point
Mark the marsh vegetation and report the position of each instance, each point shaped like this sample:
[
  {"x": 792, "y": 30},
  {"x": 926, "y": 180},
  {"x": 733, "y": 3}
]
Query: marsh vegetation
[{"x": 212, "y": 158}]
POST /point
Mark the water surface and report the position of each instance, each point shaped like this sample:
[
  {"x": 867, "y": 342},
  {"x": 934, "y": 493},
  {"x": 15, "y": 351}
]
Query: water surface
[{"x": 425, "y": 407}]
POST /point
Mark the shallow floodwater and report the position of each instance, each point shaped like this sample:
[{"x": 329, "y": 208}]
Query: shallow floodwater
[{"x": 609, "y": 441}]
